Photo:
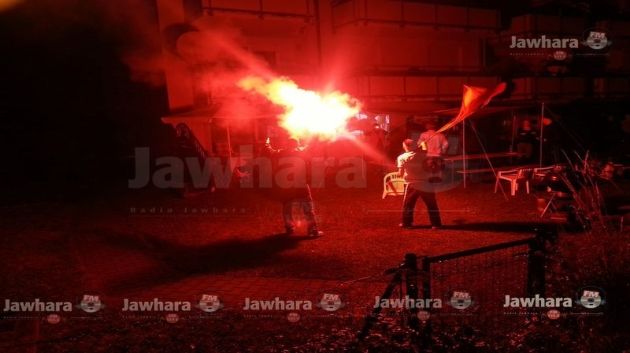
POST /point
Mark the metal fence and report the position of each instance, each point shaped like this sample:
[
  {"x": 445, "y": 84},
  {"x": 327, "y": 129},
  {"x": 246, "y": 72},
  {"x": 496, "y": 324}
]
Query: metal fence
[
  {"x": 485, "y": 275},
  {"x": 471, "y": 285}
]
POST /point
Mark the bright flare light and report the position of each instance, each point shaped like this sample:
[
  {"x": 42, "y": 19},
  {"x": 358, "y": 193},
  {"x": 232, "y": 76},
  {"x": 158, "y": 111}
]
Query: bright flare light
[{"x": 306, "y": 113}]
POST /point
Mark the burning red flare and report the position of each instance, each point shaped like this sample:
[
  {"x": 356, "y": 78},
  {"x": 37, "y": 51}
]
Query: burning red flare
[{"x": 306, "y": 113}]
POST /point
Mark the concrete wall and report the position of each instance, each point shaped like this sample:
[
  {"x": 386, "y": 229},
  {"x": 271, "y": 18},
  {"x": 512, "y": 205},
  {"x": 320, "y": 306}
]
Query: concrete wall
[
  {"x": 384, "y": 49},
  {"x": 178, "y": 77}
]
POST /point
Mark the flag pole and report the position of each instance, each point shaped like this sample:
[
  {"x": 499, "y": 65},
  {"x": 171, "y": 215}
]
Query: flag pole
[
  {"x": 542, "y": 126},
  {"x": 464, "y": 150},
  {"x": 229, "y": 143},
  {"x": 513, "y": 132}
]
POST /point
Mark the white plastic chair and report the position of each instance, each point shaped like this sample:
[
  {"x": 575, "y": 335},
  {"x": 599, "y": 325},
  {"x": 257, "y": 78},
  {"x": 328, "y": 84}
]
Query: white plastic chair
[
  {"x": 393, "y": 185},
  {"x": 514, "y": 176}
]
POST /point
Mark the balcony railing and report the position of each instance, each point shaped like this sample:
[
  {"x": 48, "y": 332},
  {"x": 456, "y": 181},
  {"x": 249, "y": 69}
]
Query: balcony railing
[
  {"x": 374, "y": 88},
  {"x": 405, "y": 13},
  {"x": 301, "y": 9}
]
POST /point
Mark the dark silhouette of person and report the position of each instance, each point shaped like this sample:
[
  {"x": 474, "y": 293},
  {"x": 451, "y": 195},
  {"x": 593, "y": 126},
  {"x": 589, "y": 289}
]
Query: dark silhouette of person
[
  {"x": 296, "y": 191},
  {"x": 526, "y": 139},
  {"x": 413, "y": 166}
]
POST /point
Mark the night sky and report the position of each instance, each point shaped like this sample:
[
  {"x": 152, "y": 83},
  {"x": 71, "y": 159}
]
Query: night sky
[{"x": 71, "y": 111}]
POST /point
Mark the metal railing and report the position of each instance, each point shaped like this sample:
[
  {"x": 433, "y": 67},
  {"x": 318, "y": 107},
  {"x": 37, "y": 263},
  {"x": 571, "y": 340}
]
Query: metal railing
[
  {"x": 260, "y": 10},
  {"x": 358, "y": 16},
  {"x": 487, "y": 274},
  {"x": 484, "y": 274},
  {"x": 186, "y": 139}
]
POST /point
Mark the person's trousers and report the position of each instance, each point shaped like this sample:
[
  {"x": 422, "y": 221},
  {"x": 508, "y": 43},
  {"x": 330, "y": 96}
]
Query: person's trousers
[
  {"x": 527, "y": 149},
  {"x": 409, "y": 204},
  {"x": 306, "y": 205}
]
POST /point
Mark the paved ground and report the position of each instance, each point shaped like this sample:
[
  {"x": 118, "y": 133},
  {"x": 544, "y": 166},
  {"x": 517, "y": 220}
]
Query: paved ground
[
  {"x": 125, "y": 244},
  {"x": 150, "y": 244}
]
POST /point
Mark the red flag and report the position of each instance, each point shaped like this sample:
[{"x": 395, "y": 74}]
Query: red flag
[{"x": 474, "y": 99}]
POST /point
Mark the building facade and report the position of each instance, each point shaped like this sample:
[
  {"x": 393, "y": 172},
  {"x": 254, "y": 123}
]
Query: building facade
[{"x": 400, "y": 57}]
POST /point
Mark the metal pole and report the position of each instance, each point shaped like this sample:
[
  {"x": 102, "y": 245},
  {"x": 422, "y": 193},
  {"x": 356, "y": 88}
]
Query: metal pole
[
  {"x": 536, "y": 265},
  {"x": 513, "y": 131},
  {"x": 318, "y": 33},
  {"x": 464, "y": 150},
  {"x": 411, "y": 277},
  {"x": 426, "y": 335},
  {"x": 542, "y": 125},
  {"x": 229, "y": 142}
]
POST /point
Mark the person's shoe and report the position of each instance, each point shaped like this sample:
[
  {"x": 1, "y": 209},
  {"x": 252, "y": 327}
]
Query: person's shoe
[
  {"x": 405, "y": 226},
  {"x": 315, "y": 233}
]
